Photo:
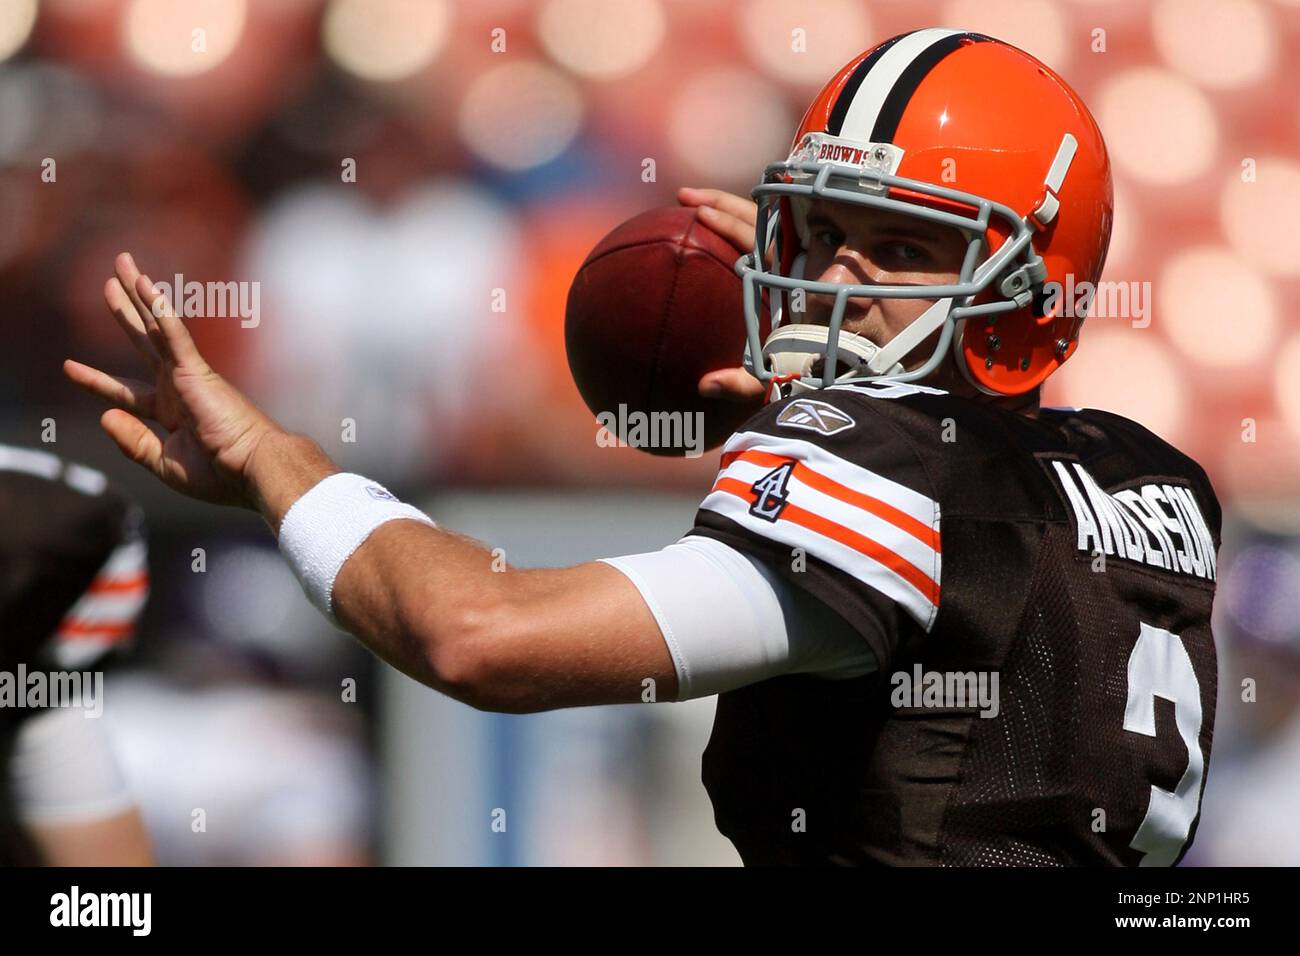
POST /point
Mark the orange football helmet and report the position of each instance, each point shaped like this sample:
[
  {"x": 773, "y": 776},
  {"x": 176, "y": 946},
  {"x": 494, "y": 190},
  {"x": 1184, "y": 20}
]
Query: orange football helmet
[{"x": 958, "y": 129}]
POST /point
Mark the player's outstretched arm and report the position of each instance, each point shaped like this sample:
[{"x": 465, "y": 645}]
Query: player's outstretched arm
[
  {"x": 436, "y": 605},
  {"x": 508, "y": 640}
]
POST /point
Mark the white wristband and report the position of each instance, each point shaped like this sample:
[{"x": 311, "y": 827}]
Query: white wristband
[{"x": 328, "y": 523}]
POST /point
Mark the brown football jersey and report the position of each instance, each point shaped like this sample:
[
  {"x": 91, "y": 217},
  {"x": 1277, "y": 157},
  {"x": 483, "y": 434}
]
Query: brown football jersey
[
  {"x": 73, "y": 573},
  {"x": 1036, "y": 592},
  {"x": 73, "y": 579}
]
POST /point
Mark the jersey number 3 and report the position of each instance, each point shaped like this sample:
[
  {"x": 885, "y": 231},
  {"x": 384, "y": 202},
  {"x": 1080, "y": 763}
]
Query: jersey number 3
[{"x": 1159, "y": 667}]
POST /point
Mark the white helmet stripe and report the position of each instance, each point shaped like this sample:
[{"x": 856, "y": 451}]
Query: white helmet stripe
[{"x": 860, "y": 122}]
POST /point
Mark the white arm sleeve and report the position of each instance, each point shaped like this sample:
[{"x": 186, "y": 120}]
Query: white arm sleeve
[
  {"x": 63, "y": 770},
  {"x": 729, "y": 620}
]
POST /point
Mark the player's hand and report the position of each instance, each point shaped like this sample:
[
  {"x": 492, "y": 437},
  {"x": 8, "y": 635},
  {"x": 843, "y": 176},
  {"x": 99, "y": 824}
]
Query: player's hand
[
  {"x": 212, "y": 429},
  {"x": 730, "y": 216},
  {"x": 733, "y": 385},
  {"x": 733, "y": 218}
]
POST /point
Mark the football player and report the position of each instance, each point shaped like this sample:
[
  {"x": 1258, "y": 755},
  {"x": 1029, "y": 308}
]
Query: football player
[
  {"x": 946, "y": 625},
  {"x": 73, "y": 580}
]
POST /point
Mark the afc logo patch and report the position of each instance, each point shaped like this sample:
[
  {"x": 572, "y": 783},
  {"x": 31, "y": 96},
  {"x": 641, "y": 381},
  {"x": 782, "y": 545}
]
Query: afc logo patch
[{"x": 771, "y": 493}]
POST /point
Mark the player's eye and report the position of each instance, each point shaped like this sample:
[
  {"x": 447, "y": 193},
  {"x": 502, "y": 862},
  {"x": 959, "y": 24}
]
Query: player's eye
[
  {"x": 907, "y": 253},
  {"x": 829, "y": 238}
]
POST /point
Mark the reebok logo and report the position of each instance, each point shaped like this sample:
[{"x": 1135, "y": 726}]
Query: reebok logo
[{"x": 814, "y": 416}]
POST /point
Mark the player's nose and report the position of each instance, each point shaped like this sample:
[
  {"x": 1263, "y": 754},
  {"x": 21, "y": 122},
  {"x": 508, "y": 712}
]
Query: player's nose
[{"x": 820, "y": 305}]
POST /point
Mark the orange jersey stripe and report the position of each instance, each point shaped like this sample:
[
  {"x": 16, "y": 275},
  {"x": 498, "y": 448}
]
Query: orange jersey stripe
[
  {"x": 107, "y": 585},
  {"x": 828, "y": 486},
  {"x": 829, "y": 529},
  {"x": 72, "y": 630}
]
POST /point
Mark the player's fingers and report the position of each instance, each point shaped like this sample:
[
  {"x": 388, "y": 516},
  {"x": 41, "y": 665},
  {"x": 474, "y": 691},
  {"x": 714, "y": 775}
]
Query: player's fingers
[
  {"x": 736, "y": 231},
  {"x": 151, "y": 327},
  {"x": 128, "y": 393},
  {"x": 743, "y": 209},
  {"x": 178, "y": 342},
  {"x": 128, "y": 274},
  {"x": 128, "y": 319},
  {"x": 732, "y": 384},
  {"x": 134, "y": 439}
]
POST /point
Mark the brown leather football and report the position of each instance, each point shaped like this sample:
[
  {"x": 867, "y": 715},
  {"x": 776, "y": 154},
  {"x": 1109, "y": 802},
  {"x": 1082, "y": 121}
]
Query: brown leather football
[{"x": 655, "y": 306}]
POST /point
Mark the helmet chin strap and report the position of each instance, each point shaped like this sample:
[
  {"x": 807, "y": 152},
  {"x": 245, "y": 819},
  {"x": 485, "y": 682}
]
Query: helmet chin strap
[
  {"x": 793, "y": 350},
  {"x": 925, "y": 324}
]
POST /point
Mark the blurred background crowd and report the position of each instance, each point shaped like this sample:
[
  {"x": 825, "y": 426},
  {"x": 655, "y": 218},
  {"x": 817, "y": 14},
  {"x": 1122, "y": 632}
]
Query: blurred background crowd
[{"x": 494, "y": 142}]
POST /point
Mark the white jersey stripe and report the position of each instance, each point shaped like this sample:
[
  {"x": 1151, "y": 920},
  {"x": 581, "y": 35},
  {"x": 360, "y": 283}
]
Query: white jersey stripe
[
  {"x": 913, "y": 503},
  {"x": 916, "y": 552},
  {"x": 74, "y": 655},
  {"x": 127, "y": 560},
  {"x": 30, "y": 461},
  {"x": 832, "y": 552},
  {"x": 93, "y": 610}
]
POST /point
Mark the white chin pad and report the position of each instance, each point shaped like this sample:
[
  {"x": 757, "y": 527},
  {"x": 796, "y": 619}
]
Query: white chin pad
[{"x": 794, "y": 349}]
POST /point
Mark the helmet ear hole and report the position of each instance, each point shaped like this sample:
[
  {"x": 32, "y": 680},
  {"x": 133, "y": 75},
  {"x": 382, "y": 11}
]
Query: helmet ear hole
[{"x": 1039, "y": 305}]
